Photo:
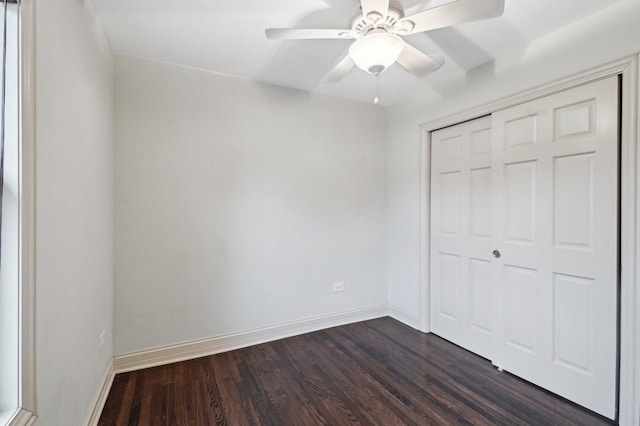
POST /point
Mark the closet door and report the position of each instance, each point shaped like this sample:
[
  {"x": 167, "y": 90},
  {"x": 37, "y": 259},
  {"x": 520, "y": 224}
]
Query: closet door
[
  {"x": 555, "y": 201},
  {"x": 461, "y": 289}
]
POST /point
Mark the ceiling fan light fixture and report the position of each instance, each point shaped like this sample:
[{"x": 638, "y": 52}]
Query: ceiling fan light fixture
[{"x": 375, "y": 52}]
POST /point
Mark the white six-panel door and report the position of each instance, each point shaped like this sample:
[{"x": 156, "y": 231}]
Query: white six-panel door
[
  {"x": 462, "y": 288},
  {"x": 550, "y": 193},
  {"x": 555, "y": 180}
]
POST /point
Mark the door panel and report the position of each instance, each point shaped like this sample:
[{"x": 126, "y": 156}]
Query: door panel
[
  {"x": 481, "y": 144},
  {"x": 555, "y": 224},
  {"x": 573, "y": 202},
  {"x": 480, "y": 291},
  {"x": 521, "y": 131},
  {"x": 461, "y": 227},
  {"x": 450, "y": 293},
  {"x": 575, "y": 120},
  {"x": 537, "y": 183},
  {"x": 450, "y": 203},
  {"x": 480, "y": 209},
  {"x": 573, "y": 334},
  {"x": 520, "y": 202},
  {"x": 521, "y": 325}
]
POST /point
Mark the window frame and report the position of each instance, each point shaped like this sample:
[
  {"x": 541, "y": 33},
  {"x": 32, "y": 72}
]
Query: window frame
[{"x": 26, "y": 413}]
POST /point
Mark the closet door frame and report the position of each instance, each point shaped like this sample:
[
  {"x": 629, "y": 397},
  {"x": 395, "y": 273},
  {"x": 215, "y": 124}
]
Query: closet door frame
[{"x": 629, "y": 333}]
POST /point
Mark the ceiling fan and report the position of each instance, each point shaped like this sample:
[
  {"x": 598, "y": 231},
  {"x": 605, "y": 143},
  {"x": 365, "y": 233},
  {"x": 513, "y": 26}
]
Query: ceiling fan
[{"x": 378, "y": 31}]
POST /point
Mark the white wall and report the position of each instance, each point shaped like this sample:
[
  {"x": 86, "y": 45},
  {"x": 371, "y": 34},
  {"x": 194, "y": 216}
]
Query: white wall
[
  {"x": 74, "y": 209},
  {"x": 610, "y": 34},
  {"x": 238, "y": 204}
]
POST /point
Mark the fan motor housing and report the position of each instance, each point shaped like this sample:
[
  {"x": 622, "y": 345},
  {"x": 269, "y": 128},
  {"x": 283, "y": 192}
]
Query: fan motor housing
[{"x": 361, "y": 24}]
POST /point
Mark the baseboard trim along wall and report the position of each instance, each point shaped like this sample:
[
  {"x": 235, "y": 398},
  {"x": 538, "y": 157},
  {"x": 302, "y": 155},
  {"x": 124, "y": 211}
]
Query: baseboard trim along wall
[
  {"x": 101, "y": 396},
  {"x": 404, "y": 317},
  {"x": 213, "y": 345},
  {"x": 203, "y": 347},
  {"x": 23, "y": 418}
]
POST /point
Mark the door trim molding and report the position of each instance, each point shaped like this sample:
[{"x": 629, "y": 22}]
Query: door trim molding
[
  {"x": 26, "y": 414},
  {"x": 629, "y": 382},
  {"x": 99, "y": 401}
]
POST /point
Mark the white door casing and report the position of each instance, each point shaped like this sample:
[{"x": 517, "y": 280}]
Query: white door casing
[{"x": 555, "y": 203}]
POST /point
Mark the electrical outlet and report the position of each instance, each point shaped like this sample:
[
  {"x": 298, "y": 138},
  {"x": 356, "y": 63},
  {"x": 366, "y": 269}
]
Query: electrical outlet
[
  {"x": 338, "y": 287},
  {"x": 103, "y": 338}
]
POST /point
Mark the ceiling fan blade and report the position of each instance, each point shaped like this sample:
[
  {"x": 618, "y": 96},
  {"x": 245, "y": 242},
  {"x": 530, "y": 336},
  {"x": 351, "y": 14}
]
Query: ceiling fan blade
[
  {"x": 306, "y": 34},
  {"x": 457, "y": 12},
  {"x": 380, "y": 7},
  {"x": 418, "y": 63},
  {"x": 340, "y": 70}
]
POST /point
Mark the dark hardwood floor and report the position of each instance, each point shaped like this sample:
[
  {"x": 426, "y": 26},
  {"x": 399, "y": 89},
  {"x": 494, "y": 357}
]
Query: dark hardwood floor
[{"x": 377, "y": 372}]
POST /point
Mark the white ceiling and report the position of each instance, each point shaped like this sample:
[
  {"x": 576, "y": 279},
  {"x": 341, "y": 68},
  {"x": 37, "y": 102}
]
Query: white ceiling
[{"x": 227, "y": 37}]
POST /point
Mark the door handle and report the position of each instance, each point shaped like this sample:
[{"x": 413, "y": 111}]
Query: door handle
[{"x": 496, "y": 254}]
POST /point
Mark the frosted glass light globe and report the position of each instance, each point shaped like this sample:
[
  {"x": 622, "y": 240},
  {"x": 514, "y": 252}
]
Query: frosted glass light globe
[{"x": 375, "y": 52}]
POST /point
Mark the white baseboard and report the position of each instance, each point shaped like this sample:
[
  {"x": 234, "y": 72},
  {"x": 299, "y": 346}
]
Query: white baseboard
[
  {"x": 21, "y": 418},
  {"x": 101, "y": 396},
  {"x": 404, "y": 317},
  {"x": 203, "y": 347}
]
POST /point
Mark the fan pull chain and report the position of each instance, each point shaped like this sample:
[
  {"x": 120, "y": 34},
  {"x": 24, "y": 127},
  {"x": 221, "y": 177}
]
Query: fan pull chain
[{"x": 376, "y": 100}]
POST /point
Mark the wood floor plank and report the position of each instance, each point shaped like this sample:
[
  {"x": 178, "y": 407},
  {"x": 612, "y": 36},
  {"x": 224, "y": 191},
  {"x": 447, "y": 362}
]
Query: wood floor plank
[{"x": 377, "y": 372}]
